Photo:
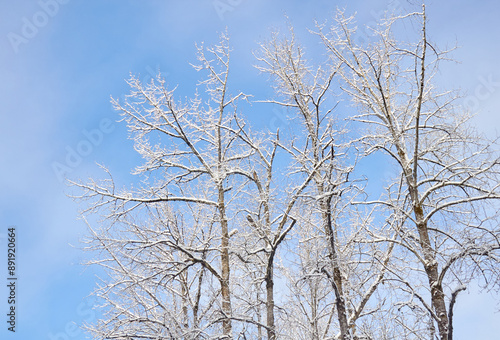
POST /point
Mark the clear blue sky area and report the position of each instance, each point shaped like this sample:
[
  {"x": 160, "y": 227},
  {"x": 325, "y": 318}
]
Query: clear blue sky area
[{"x": 61, "y": 60}]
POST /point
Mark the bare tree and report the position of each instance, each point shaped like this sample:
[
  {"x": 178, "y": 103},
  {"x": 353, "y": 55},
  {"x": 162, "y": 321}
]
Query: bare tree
[
  {"x": 305, "y": 92},
  {"x": 271, "y": 235},
  {"x": 450, "y": 174},
  {"x": 318, "y": 151},
  {"x": 191, "y": 153},
  {"x": 155, "y": 287}
]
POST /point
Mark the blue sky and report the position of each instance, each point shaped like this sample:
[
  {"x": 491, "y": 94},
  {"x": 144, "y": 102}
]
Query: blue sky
[{"x": 61, "y": 60}]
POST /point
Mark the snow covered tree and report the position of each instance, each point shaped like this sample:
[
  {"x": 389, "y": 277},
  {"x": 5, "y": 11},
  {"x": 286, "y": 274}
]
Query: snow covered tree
[
  {"x": 313, "y": 149},
  {"x": 448, "y": 173},
  {"x": 235, "y": 233},
  {"x": 192, "y": 152}
]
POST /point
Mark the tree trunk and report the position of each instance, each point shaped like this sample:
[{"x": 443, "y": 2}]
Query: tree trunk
[
  {"x": 431, "y": 264},
  {"x": 314, "y": 311},
  {"x": 225, "y": 291},
  {"x": 184, "y": 289},
  {"x": 431, "y": 269},
  {"x": 271, "y": 332},
  {"x": 450, "y": 312},
  {"x": 337, "y": 276}
]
